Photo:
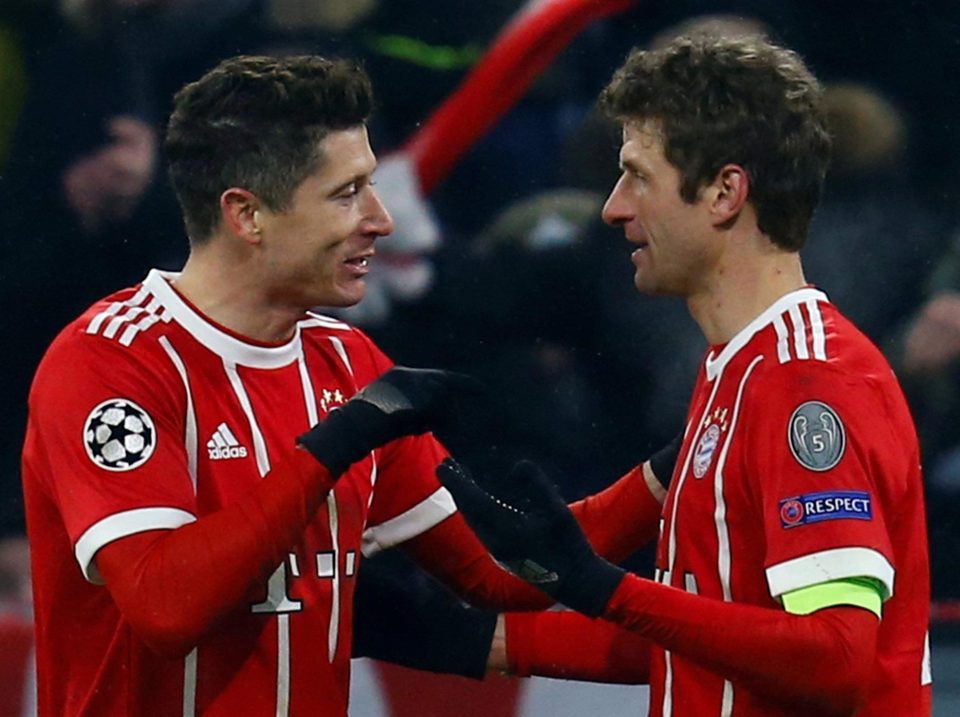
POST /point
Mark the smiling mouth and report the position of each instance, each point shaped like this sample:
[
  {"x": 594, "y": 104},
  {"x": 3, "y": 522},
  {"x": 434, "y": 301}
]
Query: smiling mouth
[{"x": 359, "y": 262}]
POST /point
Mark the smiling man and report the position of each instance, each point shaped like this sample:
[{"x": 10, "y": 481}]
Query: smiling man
[
  {"x": 791, "y": 570},
  {"x": 188, "y": 557}
]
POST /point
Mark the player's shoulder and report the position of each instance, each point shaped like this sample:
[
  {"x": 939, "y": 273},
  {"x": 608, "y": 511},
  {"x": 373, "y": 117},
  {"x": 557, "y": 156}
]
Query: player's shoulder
[
  {"x": 107, "y": 336},
  {"x": 812, "y": 337}
]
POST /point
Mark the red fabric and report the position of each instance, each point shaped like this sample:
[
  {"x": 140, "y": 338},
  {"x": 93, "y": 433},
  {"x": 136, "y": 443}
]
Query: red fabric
[
  {"x": 411, "y": 693},
  {"x": 620, "y": 519},
  {"x": 793, "y": 417},
  {"x": 522, "y": 51},
  {"x": 453, "y": 554},
  {"x": 571, "y": 646},
  {"x": 16, "y": 639},
  {"x": 173, "y": 586},
  {"x": 796, "y": 665},
  {"x": 223, "y": 413}
]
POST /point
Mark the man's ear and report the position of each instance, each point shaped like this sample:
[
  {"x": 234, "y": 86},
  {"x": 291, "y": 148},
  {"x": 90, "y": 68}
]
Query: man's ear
[
  {"x": 240, "y": 211},
  {"x": 728, "y": 193}
]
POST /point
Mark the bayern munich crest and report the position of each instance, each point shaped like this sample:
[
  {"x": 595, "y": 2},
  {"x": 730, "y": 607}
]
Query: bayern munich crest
[
  {"x": 119, "y": 435},
  {"x": 816, "y": 436},
  {"x": 716, "y": 425}
]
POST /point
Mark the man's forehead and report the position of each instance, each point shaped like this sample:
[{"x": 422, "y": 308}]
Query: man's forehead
[{"x": 646, "y": 132}]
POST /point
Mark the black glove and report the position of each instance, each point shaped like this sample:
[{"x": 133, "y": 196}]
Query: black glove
[
  {"x": 402, "y": 402},
  {"x": 534, "y": 535}
]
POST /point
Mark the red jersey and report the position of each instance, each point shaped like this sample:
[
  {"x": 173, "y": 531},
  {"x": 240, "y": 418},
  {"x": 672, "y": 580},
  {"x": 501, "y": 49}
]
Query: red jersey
[
  {"x": 144, "y": 415},
  {"x": 799, "y": 465}
]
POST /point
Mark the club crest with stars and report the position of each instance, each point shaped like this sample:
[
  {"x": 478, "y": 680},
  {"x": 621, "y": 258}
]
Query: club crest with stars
[
  {"x": 715, "y": 425},
  {"x": 331, "y": 398}
]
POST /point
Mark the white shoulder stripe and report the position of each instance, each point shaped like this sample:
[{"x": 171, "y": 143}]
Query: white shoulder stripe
[
  {"x": 94, "y": 326},
  {"x": 127, "y": 318},
  {"x": 802, "y": 334},
  {"x": 799, "y": 332},
  {"x": 816, "y": 325},
  {"x": 783, "y": 350}
]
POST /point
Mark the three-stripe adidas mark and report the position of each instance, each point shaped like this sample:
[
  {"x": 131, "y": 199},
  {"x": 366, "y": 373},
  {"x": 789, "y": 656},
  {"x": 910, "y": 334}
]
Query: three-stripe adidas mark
[{"x": 223, "y": 445}]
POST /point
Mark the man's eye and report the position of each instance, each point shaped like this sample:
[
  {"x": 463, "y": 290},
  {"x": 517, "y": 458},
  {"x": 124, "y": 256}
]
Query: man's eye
[{"x": 350, "y": 191}]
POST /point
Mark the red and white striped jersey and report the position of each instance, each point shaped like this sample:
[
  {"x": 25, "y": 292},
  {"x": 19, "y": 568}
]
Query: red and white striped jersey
[
  {"x": 145, "y": 415},
  {"x": 799, "y": 465}
]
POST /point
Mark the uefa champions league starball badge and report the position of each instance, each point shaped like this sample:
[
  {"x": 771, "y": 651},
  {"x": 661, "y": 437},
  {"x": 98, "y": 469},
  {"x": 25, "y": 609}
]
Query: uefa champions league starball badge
[{"x": 119, "y": 435}]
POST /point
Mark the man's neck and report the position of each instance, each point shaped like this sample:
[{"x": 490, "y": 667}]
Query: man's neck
[
  {"x": 229, "y": 293},
  {"x": 743, "y": 285}
]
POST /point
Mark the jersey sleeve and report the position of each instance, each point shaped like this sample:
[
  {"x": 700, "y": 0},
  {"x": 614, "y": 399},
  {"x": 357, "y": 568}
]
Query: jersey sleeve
[
  {"x": 109, "y": 433},
  {"x": 816, "y": 451},
  {"x": 408, "y": 499}
]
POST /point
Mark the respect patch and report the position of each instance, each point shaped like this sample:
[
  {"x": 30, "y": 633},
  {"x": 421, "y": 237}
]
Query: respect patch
[{"x": 827, "y": 505}]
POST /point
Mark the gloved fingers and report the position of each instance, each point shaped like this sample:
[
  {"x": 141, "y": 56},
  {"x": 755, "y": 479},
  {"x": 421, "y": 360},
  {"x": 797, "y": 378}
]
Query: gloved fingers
[
  {"x": 533, "y": 487},
  {"x": 483, "y": 512}
]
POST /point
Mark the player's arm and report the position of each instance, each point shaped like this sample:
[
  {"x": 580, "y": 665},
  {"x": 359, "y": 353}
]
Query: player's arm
[
  {"x": 172, "y": 586},
  {"x": 617, "y": 521},
  {"x": 570, "y": 646},
  {"x": 624, "y": 517},
  {"x": 823, "y": 659}
]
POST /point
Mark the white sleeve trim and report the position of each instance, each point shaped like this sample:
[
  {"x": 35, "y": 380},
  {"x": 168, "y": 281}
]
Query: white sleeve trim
[
  {"x": 419, "y": 519},
  {"x": 826, "y": 565},
  {"x": 120, "y": 525}
]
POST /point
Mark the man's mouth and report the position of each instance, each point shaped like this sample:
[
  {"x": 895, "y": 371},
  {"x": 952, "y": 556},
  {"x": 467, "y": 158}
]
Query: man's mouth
[{"x": 360, "y": 261}]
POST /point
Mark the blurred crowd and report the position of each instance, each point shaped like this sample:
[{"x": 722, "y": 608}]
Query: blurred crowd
[{"x": 505, "y": 271}]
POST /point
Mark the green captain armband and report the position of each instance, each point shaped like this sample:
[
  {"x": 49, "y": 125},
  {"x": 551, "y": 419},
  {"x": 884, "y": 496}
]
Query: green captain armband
[{"x": 859, "y": 592}]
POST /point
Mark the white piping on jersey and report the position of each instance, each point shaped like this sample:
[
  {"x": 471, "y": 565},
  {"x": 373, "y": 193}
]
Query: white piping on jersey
[
  {"x": 715, "y": 364},
  {"x": 190, "y": 684},
  {"x": 926, "y": 674},
  {"x": 418, "y": 519},
  {"x": 327, "y": 322},
  {"x": 341, "y": 352},
  {"x": 724, "y": 556},
  {"x": 190, "y": 439},
  {"x": 826, "y": 565},
  {"x": 94, "y": 326},
  {"x": 334, "y": 630},
  {"x": 227, "y": 347},
  {"x": 259, "y": 445},
  {"x": 667, "y": 710},
  {"x": 120, "y": 525},
  {"x": 283, "y": 665}
]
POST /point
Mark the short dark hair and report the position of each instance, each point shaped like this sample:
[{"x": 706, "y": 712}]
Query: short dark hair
[
  {"x": 257, "y": 122},
  {"x": 740, "y": 100}
]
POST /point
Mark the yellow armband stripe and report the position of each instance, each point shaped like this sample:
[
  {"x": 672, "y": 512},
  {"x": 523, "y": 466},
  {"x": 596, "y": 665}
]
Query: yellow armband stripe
[{"x": 859, "y": 592}]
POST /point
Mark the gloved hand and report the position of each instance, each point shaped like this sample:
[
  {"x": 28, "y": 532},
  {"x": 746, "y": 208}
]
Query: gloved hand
[
  {"x": 532, "y": 532},
  {"x": 402, "y": 402}
]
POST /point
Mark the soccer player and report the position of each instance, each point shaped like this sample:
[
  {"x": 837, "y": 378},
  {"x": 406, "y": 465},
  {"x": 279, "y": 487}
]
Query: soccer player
[
  {"x": 197, "y": 508},
  {"x": 791, "y": 571}
]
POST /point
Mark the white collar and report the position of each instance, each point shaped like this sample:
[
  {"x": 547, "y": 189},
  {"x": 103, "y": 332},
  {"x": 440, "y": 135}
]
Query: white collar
[
  {"x": 230, "y": 348},
  {"x": 716, "y": 364}
]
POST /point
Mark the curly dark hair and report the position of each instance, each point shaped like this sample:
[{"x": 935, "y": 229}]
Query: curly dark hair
[
  {"x": 257, "y": 122},
  {"x": 739, "y": 100}
]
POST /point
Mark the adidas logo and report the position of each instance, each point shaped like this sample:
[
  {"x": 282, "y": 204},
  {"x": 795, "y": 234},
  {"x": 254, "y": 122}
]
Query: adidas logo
[{"x": 223, "y": 445}]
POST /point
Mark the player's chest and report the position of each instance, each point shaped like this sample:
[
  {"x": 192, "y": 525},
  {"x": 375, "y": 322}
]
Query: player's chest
[
  {"x": 710, "y": 484},
  {"x": 240, "y": 421}
]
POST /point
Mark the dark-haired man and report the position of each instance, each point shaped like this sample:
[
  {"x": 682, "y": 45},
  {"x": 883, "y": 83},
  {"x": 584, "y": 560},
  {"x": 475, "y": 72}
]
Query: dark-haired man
[
  {"x": 207, "y": 460},
  {"x": 791, "y": 572}
]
